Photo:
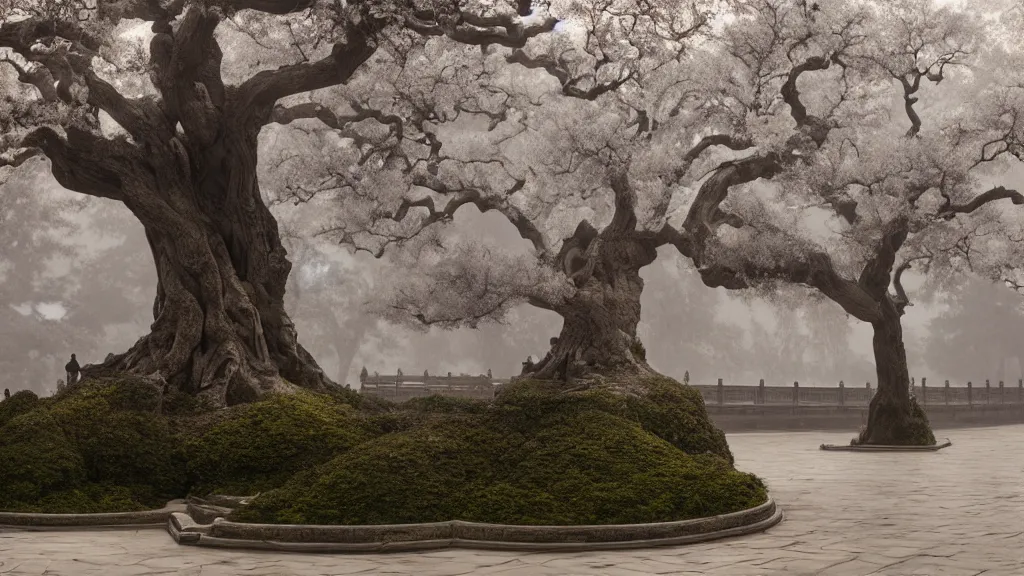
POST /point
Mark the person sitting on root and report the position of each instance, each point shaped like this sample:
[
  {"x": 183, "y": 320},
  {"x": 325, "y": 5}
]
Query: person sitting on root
[{"x": 72, "y": 369}]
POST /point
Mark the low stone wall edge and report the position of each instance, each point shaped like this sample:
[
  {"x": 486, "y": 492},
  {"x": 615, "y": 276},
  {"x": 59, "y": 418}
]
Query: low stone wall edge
[
  {"x": 142, "y": 518},
  {"x": 414, "y": 537}
]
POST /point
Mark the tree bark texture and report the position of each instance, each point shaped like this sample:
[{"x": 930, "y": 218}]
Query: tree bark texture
[
  {"x": 220, "y": 328},
  {"x": 894, "y": 416},
  {"x": 599, "y": 334}
]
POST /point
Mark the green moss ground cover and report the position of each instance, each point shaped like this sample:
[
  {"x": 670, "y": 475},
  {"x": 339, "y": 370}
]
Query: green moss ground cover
[{"x": 537, "y": 455}]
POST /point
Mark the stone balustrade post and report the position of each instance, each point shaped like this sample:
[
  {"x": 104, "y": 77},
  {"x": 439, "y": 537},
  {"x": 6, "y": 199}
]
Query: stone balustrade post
[
  {"x": 760, "y": 393},
  {"x": 796, "y": 393},
  {"x": 924, "y": 391},
  {"x": 988, "y": 392},
  {"x": 945, "y": 393},
  {"x": 842, "y": 394},
  {"x": 970, "y": 394},
  {"x": 721, "y": 393}
]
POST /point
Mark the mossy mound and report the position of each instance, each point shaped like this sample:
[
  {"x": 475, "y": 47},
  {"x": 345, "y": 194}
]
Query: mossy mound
[
  {"x": 258, "y": 446},
  {"x": 19, "y": 403},
  {"x": 99, "y": 446},
  {"x": 671, "y": 411},
  {"x": 37, "y": 460},
  {"x": 538, "y": 455},
  {"x": 118, "y": 393}
]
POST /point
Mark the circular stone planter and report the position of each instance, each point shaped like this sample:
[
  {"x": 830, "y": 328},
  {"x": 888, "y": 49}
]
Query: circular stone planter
[
  {"x": 878, "y": 448},
  {"x": 458, "y": 534},
  {"x": 109, "y": 520}
]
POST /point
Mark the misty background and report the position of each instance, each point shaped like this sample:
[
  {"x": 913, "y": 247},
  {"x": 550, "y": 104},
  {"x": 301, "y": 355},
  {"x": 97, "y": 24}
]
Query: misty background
[{"x": 76, "y": 276}]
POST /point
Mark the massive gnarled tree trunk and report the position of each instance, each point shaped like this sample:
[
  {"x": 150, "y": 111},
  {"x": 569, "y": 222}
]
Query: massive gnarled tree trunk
[
  {"x": 599, "y": 330},
  {"x": 600, "y": 319},
  {"x": 220, "y": 328}
]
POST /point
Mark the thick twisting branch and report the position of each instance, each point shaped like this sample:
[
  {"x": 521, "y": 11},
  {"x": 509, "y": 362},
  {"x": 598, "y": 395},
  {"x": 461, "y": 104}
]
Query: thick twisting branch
[
  {"x": 949, "y": 210},
  {"x": 84, "y": 162},
  {"x": 817, "y": 128},
  {"x": 457, "y": 199},
  {"x": 468, "y": 28},
  {"x": 874, "y": 278},
  {"x": 570, "y": 84},
  {"x": 902, "y": 300},
  {"x": 624, "y": 218},
  {"x": 265, "y": 88}
]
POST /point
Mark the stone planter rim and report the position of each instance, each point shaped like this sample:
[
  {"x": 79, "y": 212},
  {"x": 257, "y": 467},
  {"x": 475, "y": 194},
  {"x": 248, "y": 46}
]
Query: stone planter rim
[
  {"x": 185, "y": 531},
  {"x": 885, "y": 448},
  {"x": 104, "y": 520}
]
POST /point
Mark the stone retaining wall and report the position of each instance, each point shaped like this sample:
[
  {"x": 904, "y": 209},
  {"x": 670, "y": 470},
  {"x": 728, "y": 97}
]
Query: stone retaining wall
[{"x": 405, "y": 537}]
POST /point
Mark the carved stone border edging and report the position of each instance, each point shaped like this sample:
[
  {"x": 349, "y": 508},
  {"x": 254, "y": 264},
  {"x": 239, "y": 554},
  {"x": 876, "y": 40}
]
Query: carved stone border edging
[
  {"x": 108, "y": 520},
  {"x": 458, "y": 534},
  {"x": 878, "y": 448}
]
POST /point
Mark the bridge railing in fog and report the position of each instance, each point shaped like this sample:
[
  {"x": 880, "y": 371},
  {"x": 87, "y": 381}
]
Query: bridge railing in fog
[
  {"x": 400, "y": 387},
  {"x": 842, "y": 395}
]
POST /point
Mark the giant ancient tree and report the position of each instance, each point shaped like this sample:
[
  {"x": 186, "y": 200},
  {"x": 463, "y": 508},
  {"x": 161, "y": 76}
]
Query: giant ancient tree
[{"x": 179, "y": 148}]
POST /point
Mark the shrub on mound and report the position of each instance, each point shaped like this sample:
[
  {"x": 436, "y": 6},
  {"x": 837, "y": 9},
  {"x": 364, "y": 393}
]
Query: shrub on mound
[
  {"x": 533, "y": 458},
  {"x": 37, "y": 460},
  {"x": 19, "y": 403},
  {"x": 98, "y": 446},
  {"x": 119, "y": 393},
  {"x": 85, "y": 499},
  {"x": 258, "y": 446},
  {"x": 670, "y": 410},
  {"x": 113, "y": 426}
]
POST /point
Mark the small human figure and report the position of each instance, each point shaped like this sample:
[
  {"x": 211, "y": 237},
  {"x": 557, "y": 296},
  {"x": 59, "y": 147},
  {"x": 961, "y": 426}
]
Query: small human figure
[
  {"x": 7, "y": 393},
  {"x": 72, "y": 369},
  {"x": 528, "y": 365}
]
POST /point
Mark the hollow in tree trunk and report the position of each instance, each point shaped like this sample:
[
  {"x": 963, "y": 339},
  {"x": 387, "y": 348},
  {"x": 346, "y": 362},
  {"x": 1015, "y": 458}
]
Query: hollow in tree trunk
[{"x": 894, "y": 417}]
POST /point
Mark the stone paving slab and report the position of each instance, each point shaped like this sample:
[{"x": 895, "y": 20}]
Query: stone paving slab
[{"x": 956, "y": 512}]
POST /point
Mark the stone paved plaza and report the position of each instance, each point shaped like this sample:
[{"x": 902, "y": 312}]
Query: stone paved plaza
[{"x": 956, "y": 512}]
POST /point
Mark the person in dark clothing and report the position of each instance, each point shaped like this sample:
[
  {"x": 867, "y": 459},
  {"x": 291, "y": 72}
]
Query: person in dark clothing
[
  {"x": 72, "y": 369},
  {"x": 7, "y": 393}
]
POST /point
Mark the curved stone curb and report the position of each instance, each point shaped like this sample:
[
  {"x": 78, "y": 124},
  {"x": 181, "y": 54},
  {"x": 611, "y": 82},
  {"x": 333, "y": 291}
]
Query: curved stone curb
[
  {"x": 459, "y": 534},
  {"x": 109, "y": 520},
  {"x": 877, "y": 448}
]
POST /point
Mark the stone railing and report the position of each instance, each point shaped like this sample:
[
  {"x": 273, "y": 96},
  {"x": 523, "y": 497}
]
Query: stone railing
[
  {"x": 400, "y": 387},
  {"x": 842, "y": 395}
]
